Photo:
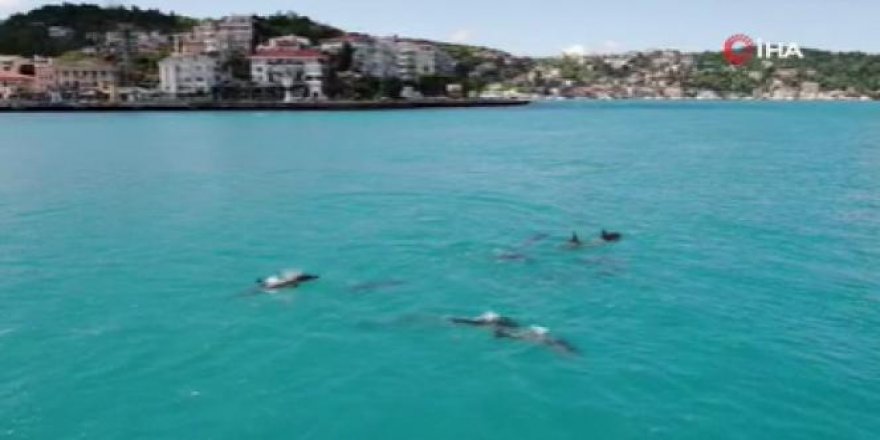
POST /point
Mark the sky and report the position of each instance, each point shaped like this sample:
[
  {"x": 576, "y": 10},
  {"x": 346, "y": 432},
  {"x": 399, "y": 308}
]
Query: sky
[{"x": 549, "y": 27}]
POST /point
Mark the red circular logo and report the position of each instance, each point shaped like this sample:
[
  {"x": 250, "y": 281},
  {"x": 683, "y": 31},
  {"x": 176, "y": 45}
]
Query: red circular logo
[{"x": 739, "y": 49}]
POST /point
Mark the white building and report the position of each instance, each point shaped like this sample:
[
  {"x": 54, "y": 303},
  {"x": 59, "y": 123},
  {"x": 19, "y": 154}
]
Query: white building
[
  {"x": 59, "y": 32},
  {"x": 229, "y": 35},
  {"x": 286, "y": 67},
  {"x": 415, "y": 59},
  {"x": 237, "y": 33},
  {"x": 285, "y": 42},
  {"x": 392, "y": 57},
  {"x": 381, "y": 60},
  {"x": 371, "y": 57},
  {"x": 135, "y": 40},
  {"x": 189, "y": 74}
]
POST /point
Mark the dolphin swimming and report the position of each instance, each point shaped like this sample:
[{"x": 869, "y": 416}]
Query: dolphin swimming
[
  {"x": 517, "y": 253},
  {"x": 512, "y": 256},
  {"x": 286, "y": 280},
  {"x": 534, "y": 239},
  {"x": 539, "y": 335},
  {"x": 370, "y": 286},
  {"x": 504, "y": 327},
  {"x": 488, "y": 319},
  {"x": 605, "y": 237},
  {"x": 574, "y": 241},
  {"x": 611, "y": 237}
]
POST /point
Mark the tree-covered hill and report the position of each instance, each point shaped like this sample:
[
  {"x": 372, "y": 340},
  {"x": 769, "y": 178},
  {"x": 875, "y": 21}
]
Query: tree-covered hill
[
  {"x": 855, "y": 71},
  {"x": 289, "y": 23},
  {"x": 27, "y": 33}
]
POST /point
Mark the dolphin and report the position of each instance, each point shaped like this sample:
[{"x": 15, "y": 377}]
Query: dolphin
[
  {"x": 537, "y": 238},
  {"x": 290, "y": 280},
  {"x": 512, "y": 256},
  {"x": 517, "y": 253},
  {"x": 611, "y": 237},
  {"x": 574, "y": 241},
  {"x": 539, "y": 335},
  {"x": 488, "y": 319},
  {"x": 605, "y": 237},
  {"x": 376, "y": 285}
]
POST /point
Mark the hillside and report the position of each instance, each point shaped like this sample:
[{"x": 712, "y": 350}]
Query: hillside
[
  {"x": 661, "y": 73},
  {"x": 289, "y": 23},
  {"x": 832, "y": 70},
  {"x": 27, "y": 34}
]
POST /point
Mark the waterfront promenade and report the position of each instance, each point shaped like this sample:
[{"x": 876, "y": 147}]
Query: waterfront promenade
[{"x": 261, "y": 106}]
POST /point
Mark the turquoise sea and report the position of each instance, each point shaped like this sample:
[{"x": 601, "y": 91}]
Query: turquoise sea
[{"x": 743, "y": 302}]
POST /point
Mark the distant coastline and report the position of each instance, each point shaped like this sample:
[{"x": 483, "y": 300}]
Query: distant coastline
[{"x": 699, "y": 99}]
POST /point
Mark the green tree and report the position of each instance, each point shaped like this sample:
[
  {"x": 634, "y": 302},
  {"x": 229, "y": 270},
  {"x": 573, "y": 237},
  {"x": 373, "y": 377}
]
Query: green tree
[
  {"x": 344, "y": 60},
  {"x": 238, "y": 66}
]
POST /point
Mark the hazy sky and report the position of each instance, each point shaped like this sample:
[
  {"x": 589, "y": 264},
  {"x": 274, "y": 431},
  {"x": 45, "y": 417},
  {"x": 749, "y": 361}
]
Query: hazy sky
[{"x": 545, "y": 27}]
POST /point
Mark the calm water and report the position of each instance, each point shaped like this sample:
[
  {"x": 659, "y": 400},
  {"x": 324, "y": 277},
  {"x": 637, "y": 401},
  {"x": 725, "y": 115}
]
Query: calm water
[{"x": 743, "y": 303}]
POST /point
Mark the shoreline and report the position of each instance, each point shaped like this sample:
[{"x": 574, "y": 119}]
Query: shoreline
[
  {"x": 692, "y": 99},
  {"x": 263, "y": 106}
]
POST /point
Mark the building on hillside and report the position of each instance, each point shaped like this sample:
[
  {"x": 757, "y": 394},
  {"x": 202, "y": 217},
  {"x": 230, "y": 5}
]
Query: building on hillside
[
  {"x": 85, "y": 76},
  {"x": 293, "y": 42},
  {"x": 392, "y": 57},
  {"x": 134, "y": 41},
  {"x": 234, "y": 34},
  {"x": 373, "y": 57},
  {"x": 152, "y": 42},
  {"x": 356, "y": 41},
  {"x": 44, "y": 75},
  {"x": 283, "y": 67},
  {"x": 184, "y": 44},
  {"x": 59, "y": 32},
  {"x": 237, "y": 31},
  {"x": 415, "y": 59},
  {"x": 189, "y": 74},
  {"x": 380, "y": 61}
]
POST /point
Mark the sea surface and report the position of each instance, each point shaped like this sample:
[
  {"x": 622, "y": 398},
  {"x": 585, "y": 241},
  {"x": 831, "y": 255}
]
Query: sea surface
[{"x": 742, "y": 303}]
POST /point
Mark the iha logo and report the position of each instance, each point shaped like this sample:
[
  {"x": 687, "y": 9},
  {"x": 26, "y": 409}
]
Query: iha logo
[{"x": 740, "y": 49}]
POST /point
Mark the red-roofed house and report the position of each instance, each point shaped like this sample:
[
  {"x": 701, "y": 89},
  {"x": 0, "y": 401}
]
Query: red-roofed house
[{"x": 283, "y": 67}]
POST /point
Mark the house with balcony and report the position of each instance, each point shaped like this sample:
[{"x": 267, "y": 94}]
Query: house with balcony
[{"x": 290, "y": 68}]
